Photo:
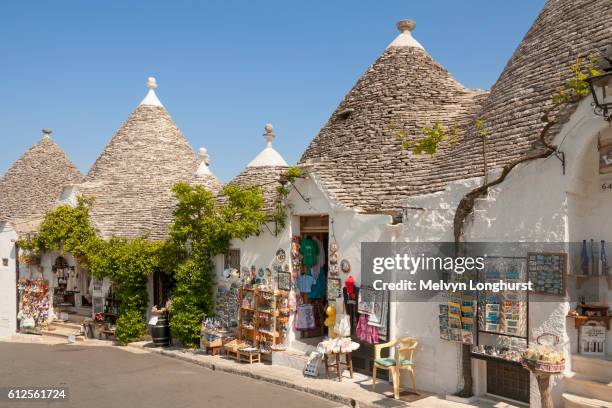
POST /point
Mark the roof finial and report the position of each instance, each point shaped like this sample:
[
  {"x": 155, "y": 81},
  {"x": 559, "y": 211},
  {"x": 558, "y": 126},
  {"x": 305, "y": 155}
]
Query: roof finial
[
  {"x": 405, "y": 39},
  {"x": 204, "y": 156},
  {"x": 405, "y": 25},
  {"x": 269, "y": 134},
  {"x": 151, "y": 99},
  {"x": 151, "y": 83},
  {"x": 47, "y": 133}
]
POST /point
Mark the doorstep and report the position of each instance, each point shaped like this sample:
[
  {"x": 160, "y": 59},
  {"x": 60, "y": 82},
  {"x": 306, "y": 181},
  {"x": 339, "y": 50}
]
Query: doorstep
[{"x": 354, "y": 392}]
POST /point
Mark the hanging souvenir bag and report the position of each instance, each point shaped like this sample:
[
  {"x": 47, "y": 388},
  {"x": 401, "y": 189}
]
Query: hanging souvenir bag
[
  {"x": 305, "y": 317},
  {"x": 343, "y": 325}
]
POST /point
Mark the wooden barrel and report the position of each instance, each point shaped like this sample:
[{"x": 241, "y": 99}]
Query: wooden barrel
[{"x": 161, "y": 332}]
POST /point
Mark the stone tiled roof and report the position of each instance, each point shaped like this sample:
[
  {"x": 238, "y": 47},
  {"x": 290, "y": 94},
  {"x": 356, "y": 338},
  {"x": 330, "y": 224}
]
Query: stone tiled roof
[
  {"x": 356, "y": 154},
  {"x": 363, "y": 166},
  {"x": 267, "y": 178},
  {"x": 132, "y": 179},
  {"x": 563, "y": 31},
  {"x": 209, "y": 182},
  {"x": 32, "y": 185}
]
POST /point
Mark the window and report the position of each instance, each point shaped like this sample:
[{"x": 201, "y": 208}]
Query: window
[{"x": 232, "y": 259}]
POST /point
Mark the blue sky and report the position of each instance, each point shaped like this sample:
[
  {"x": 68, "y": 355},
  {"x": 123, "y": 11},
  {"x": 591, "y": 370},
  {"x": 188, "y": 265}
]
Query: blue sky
[{"x": 224, "y": 68}]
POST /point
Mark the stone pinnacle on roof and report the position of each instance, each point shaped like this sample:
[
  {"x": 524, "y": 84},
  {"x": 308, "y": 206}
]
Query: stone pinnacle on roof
[
  {"x": 356, "y": 156},
  {"x": 268, "y": 157},
  {"x": 151, "y": 97},
  {"x": 204, "y": 169},
  {"x": 47, "y": 133},
  {"x": 204, "y": 176},
  {"x": 405, "y": 38}
]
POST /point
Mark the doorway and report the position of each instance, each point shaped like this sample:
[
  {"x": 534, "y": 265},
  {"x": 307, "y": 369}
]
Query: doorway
[{"x": 312, "y": 282}]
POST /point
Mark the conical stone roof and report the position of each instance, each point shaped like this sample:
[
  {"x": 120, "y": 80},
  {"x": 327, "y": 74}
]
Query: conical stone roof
[
  {"x": 563, "y": 31},
  {"x": 356, "y": 154},
  {"x": 264, "y": 171},
  {"x": 133, "y": 177},
  {"x": 204, "y": 176},
  {"x": 33, "y": 184}
]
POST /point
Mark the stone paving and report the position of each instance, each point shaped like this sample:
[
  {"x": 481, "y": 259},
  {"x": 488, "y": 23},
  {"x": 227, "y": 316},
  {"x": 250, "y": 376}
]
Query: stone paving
[{"x": 354, "y": 392}]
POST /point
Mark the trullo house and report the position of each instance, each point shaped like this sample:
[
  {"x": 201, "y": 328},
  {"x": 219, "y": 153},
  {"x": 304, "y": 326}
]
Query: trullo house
[{"x": 29, "y": 188}]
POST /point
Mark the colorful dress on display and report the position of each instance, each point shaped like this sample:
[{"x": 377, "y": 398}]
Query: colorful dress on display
[{"x": 366, "y": 332}]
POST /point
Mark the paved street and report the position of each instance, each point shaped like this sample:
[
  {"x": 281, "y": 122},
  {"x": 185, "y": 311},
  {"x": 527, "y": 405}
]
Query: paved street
[{"x": 108, "y": 377}]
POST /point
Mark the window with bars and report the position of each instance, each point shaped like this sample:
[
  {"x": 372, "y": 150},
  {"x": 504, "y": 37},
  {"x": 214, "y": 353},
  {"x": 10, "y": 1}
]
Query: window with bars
[{"x": 232, "y": 259}]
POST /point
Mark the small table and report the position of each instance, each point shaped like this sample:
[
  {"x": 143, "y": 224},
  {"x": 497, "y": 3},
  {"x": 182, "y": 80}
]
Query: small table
[
  {"x": 214, "y": 350},
  {"x": 348, "y": 362},
  {"x": 250, "y": 356}
]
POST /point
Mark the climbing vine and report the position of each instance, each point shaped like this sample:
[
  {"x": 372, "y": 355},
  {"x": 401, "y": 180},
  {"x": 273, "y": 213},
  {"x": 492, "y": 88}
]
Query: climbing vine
[
  {"x": 432, "y": 137},
  {"x": 279, "y": 216},
  {"x": 203, "y": 228},
  {"x": 571, "y": 92},
  {"x": 66, "y": 229},
  {"x": 127, "y": 263}
]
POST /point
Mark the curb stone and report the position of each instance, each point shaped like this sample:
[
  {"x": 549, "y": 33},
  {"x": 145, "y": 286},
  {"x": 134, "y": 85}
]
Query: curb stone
[{"x": 335, "y": 397}]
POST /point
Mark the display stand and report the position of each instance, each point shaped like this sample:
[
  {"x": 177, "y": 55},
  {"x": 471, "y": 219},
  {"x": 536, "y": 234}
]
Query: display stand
[{"x": 261, "y": 316}]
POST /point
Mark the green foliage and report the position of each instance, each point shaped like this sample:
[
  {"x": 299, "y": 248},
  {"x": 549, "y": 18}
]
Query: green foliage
[
  {"x": 191, "y": 300},
  {"x": 203, "y": 228},
  {"x": 66, "y": 229},
  {"x": 432, "y": 138},
  {"x": 130, "y": 326},
  {"x": 279, "y": 216},
  {"x": 481, "y": 128},
  {"x": 128, "y": 263},
  {"x": 577, "y": 87}
]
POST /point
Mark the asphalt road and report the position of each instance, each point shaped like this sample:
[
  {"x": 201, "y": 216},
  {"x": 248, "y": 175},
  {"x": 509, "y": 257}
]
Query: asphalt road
[{"x": 106, "y": 377}]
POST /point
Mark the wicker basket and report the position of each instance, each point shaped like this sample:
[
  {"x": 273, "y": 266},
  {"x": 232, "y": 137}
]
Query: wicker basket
[{"x": 545, "y": 366}]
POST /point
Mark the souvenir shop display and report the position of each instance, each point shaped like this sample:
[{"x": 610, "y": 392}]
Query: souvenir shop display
[
  {"x": 312, "y": 365},
  {"x": 66, "y": 286},
  {"x": 333, "y": 350},
  {"x": 112, "y": 306},
  {"x": 226, "y": 306},
  {"x": 585, "y": 313},
  {"x": 544, "y": 359},
  {"x": 305, "y": 317},
  {"x": 214, "y": 335},
  {"x": 504, "y": 312},
  {"x": 33, "y": 312},
  {"x": 334, "y": 289},
  {"x": 263, "y": 317},
  {"x": 350, "y": 295},
  {"x": 345, "y": 266},
  {"x": 593, "y": 259},
  {"x": 318, "y": 291},
  {"x": 372, "y": 306},
  {"x": 593, "y": 339},
  {"x": 505, "y": 350},
  {"x": 280, "y": 256},
  {"x": 296, "y": 256},
  {"x": 309, "y": 249},
  {"x": 333, "y": 258},
  {"x": 548, "y": 272},
  {"x": 305, "y": 282},
  {"x": 283, "y": 281}
]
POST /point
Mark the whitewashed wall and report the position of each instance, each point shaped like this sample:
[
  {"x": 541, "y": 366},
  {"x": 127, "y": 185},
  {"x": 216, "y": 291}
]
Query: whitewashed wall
[
  {"x": 349, "y": 228},
  {"x": 536, "y": 203},
  {"x": 8, "y": 284}
]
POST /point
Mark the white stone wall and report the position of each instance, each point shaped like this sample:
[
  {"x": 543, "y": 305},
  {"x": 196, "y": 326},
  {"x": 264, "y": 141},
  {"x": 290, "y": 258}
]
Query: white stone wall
[
  {"x": 536, "y": 203},
  {"x": 8, "y": 284}
]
